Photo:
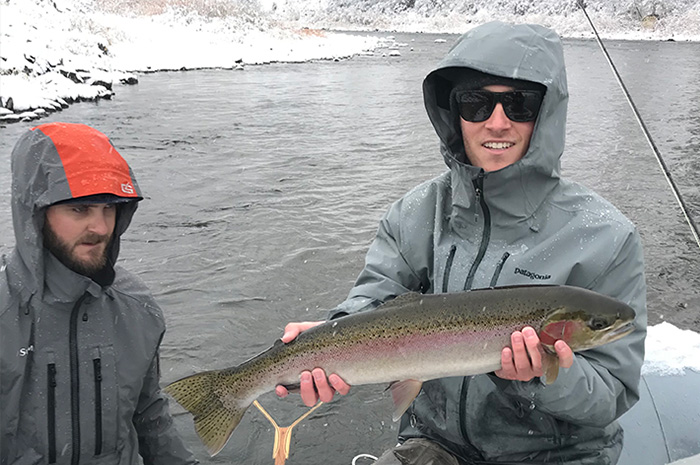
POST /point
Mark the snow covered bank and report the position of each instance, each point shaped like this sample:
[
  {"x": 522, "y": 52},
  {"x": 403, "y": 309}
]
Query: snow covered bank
[
  {"x": 55, "y": 53},
  {"x": 671, "y": 351},
  {"x": 614, "y": 19}
]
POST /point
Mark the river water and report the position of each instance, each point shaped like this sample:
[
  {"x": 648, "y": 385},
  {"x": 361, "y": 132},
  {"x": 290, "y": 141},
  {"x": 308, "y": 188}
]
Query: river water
[{"x": 264, "y": 189}]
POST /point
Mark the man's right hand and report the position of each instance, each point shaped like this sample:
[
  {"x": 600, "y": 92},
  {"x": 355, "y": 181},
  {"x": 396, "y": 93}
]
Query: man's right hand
[{"x": 313, "y": 385}]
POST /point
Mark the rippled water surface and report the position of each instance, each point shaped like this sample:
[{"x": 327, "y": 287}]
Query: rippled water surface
[{"x": 264, "y": 188}]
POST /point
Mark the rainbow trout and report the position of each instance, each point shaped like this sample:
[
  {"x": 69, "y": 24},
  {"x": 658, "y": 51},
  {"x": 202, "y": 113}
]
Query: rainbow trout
[{"x": 406, "y": 341}]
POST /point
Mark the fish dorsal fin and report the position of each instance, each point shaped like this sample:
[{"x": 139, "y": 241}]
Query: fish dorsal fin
[
  {"x": 551, "y": 367},
  {"x": 403, "y": 299},
  {"x": 408, "y": 297},
  {"x": 403, "y": 393}
]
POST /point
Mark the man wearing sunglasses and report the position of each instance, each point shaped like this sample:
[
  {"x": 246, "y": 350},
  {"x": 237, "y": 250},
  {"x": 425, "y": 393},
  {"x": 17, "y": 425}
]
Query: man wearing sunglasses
[
  {"x": 496, "y": 119},
  {"x": 502, "y": 215}
]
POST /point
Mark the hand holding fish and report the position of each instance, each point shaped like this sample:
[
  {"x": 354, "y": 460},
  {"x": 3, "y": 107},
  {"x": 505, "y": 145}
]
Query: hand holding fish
[
  {"x": 313, "y": 385},
  {"x": 523, "y": 360}
]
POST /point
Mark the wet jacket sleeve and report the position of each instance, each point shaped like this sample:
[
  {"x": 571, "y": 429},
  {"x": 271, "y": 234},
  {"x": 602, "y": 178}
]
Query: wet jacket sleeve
[
  {"x": 603, "y": 383},
  {"x": 159, "y": 442},
  {"x": 388, "y": 271}
]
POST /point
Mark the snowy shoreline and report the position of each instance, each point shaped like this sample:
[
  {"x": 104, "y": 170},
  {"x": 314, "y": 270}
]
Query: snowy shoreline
[
  {"x": 54, "y": 55},
  {"x": 58, "y": 52}
]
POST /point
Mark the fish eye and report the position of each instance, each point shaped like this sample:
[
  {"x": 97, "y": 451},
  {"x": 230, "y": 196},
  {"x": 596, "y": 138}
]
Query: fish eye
[{"x": 597, "y": 324}]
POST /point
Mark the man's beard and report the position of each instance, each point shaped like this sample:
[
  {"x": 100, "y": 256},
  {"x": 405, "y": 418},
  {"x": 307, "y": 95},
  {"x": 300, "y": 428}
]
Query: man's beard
[{"x": 65, "y": 252}]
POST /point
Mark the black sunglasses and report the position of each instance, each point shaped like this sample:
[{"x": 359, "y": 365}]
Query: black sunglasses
[{"x": 519, "y": 105}]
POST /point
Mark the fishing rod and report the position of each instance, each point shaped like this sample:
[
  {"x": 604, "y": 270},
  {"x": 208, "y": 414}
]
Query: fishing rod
[{"x": 647, "y": 134}]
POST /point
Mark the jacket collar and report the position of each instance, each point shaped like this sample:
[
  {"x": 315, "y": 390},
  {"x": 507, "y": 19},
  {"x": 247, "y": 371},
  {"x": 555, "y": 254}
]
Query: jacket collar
[
  {"x": 513, "y": 194},
  {"x": 65, "y": 285}
]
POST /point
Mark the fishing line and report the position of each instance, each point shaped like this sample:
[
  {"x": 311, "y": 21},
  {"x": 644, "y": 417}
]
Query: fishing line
[{"x": 647, "y": 134}]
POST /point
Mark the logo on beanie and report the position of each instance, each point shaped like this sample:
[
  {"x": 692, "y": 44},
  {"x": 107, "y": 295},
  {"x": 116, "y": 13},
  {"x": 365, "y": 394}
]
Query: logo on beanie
[{"x": 127, "y": 188}]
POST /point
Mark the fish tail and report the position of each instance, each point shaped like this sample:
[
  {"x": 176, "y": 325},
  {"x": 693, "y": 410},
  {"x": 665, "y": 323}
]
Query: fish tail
[{"x": 214, "y": 420}]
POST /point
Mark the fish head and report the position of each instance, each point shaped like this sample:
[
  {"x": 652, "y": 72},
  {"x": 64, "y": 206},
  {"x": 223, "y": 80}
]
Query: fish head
[{"x": 587, "y": 323}]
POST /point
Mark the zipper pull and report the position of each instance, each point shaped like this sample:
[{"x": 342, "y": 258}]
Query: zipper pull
[
  {"x": 478, "y": 186},
  {"x": 52, "y": 375},
  {"x": 478, "y": 202},
  {"x": 97, "y": 364}
]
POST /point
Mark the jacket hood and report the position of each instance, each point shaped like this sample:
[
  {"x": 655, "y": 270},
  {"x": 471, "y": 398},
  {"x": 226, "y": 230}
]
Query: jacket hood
[
  {"x": 524, "y": 52},
  {"x": 54, "y": 163}
]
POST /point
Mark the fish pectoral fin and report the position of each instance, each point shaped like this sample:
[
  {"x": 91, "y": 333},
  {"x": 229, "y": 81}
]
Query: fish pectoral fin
[
  {"x": 403, "y": 393},
  {"x": 550, "y": 363},
  {"x": 293, "y": 388}
]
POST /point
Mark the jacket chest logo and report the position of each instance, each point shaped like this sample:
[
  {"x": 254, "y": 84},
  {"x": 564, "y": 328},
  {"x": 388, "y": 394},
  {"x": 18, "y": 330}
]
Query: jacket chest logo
[
  {"x": 532, "y": 275},
  {"x": 24, "y": 351}
]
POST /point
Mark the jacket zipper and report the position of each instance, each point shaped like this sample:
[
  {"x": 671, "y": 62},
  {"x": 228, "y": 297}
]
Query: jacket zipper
[
  {"x": 51, "y": 411},
  {"x": 499, "y": 267},
  {"x": 486, "y": 235},
  {"x": 97, "y": 365},
  {"x": 485, "y": 238},
  {"x": 448, "y": 267},
  {"x": 75, "y": 380},
  {"x": 462, "y": 406}
]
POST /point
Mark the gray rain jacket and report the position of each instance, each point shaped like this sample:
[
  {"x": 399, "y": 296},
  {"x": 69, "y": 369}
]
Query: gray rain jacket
[
  {"x": 78, "y": 360},
  {"x": 523, "y": 224}
]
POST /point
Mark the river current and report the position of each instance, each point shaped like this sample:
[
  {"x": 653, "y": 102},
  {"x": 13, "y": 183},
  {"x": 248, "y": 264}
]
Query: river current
[{"x": 264, "y": 188}]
